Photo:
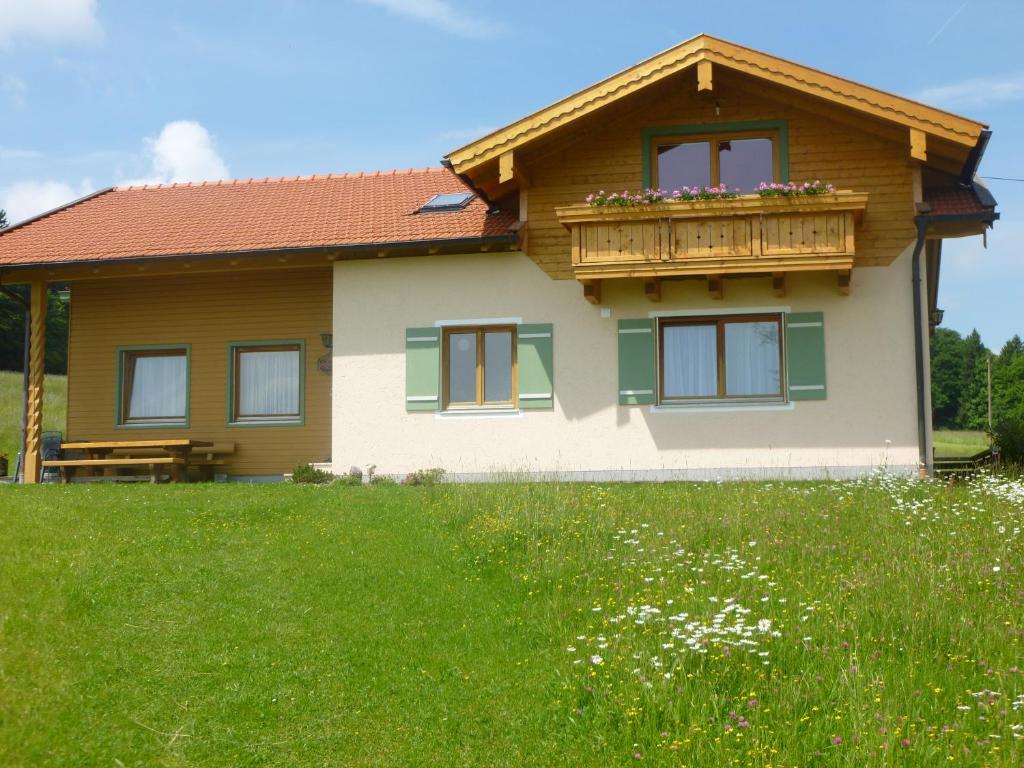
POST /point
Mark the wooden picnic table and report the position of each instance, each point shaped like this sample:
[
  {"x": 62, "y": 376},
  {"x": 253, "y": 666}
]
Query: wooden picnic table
[{"x": 173, "y": 453}]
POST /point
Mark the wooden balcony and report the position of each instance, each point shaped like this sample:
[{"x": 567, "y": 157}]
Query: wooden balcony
[{"x": 747, "y": 235}]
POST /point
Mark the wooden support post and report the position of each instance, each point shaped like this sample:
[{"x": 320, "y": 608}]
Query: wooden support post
[
  {"x": 36, "y": 366},
  {"x": 652, "y": 288},
  {"x": 704, "y": 76},
  {"x": 779, "y": 284},
  {"x": 918, "y": 145},
  {"x": 592, "y": 291},
  {"x": 715, "y": 286},
  {"x": 844, "y": 282}
]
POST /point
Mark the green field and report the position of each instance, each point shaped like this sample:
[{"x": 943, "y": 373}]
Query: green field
[
  {"x": 959, "y": 442},
  {"x": 55, "y": 390},
  {"x": 872, "y": 623}
]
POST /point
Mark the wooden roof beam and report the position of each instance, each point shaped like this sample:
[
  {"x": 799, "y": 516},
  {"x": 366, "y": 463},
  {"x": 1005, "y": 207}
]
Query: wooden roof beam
[
  {"x": 704, "y": 82},
  {"x": 511, "y": 170},
  {"x": 918, "y": 145}
]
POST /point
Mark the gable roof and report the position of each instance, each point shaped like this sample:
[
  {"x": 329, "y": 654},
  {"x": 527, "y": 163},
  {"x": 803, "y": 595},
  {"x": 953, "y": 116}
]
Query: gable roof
[
  {"x": 347, "y": 210},
  {"x": 887, "y": 106}
]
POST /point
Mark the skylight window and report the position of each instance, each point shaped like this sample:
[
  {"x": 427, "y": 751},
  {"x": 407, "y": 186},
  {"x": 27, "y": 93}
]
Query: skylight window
[{"x": 451, "y": 201}]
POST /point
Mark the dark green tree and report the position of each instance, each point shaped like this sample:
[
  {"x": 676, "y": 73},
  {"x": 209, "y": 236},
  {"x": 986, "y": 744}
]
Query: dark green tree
[
  {"x": 1008, "y": 380},
  {"x": 947, "y": 351},
  {"x": 973, "y": 410},
  {"x": 3, "y": 219},
  {"x": 12, "y": 333}
]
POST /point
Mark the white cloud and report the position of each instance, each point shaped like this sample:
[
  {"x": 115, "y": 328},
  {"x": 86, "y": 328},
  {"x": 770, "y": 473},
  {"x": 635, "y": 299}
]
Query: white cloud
[
  {"x": 24, "y": 199},
  {"x": 54, "y": 21},
  {"x": 976, "y": 92},
  {"x": 440, "y": 14},
  {"x": 184, "y": 151}
]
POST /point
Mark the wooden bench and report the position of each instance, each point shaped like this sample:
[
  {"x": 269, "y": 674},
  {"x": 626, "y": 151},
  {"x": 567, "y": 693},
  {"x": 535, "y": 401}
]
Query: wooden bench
[
  {"x": 70, "y": 467},
  {"x": 103, "y": 458},
  {"x": 205, "y": 458}
]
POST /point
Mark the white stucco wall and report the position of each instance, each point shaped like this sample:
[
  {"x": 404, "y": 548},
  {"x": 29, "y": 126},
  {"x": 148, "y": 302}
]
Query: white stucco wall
[{"x": 868, "y": 419}]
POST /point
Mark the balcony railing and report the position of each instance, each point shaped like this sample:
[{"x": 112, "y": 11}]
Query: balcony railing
[{"x": 743, "y": 235}]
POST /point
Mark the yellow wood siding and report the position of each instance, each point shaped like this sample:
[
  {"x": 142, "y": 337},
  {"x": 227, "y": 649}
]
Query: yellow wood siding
[
  {"x": 831, "y": 144},
  {"x": 207, "y": 312}
]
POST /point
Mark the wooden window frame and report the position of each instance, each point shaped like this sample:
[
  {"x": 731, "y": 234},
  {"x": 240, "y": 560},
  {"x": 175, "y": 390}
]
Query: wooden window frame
[
  {"x": 480, "y": 403},
  {"x": 712, "y": 139},
  {"x": 719, "y": 322},
  {"x": 236, "y": 417},
  {"x": 126, "y": 380}
]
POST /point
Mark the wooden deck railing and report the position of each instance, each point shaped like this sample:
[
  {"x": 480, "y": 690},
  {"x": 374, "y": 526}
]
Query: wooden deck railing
[{"x": 748, "y": 234}]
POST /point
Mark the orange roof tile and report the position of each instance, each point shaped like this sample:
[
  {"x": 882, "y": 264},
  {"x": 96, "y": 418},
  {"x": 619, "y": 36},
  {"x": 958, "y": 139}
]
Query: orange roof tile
[{"x": 252, "y": 215}]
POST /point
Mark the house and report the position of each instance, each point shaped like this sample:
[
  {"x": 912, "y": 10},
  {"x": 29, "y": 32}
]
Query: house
[{"x": 484, "y": 317}]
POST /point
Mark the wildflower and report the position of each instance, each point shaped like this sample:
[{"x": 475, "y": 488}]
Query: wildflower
[
  {"x": 595, "y": 659},
  {"x": 837, "y": 740}
]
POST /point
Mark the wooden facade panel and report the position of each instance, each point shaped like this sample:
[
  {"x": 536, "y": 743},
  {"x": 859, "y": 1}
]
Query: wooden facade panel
[
  {"x": 831, "y": 144},
  {"x": 206, "y": 312}
]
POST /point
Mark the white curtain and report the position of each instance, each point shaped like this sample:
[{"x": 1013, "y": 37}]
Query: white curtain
[
  {"x": 752, "y": 358},
  {"x": 158, "y": 387},
  {"x": 268, "y": 383},
  {"x": 690, "y": 361}
]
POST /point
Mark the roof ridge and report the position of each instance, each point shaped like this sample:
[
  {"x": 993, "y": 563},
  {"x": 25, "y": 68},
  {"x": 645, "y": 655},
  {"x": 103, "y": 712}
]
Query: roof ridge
[{"x": 280, "y": 179}]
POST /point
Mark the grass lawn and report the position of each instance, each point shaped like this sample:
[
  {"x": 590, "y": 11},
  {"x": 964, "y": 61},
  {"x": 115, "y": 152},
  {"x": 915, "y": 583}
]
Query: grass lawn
[
  {"x": 872, "y": 623},
  {"x": 962, "y": 442},
  {"x": 55, "y": 410}
]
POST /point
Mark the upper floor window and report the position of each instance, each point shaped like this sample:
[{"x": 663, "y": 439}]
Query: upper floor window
[
  {"x": 739, "y": 161},
  {"x": 480, "y": 367}
]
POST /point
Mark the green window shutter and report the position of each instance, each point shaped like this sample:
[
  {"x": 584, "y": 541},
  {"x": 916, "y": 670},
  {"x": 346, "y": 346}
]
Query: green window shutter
[
  {"x": 534, "y": 361},
  {"x": 805, "y": 355},
  {"x": 422, "y": 369},
  {"x": 637, "y": 367}
]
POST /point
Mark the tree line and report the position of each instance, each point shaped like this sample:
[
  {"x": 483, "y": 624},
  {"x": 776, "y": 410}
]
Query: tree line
[{"x": 960, "y": 381}]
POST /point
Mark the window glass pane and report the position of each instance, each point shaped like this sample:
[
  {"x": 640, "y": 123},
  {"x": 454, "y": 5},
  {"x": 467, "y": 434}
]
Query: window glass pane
[
  {"x": 745, "y": 163},
  {"x": 752, "y": 358},
  {"x": 157, "y": 386},
  {"x": 462, "y": 368},
  {"x": 268, "y": 382},
  {"x": 684, "y": 165},
  {"x": 498, "y": 366},
  {"x": 690, "y": 361}
]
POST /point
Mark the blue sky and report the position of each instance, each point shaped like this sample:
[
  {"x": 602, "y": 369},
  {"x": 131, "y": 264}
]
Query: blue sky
[{"x": 98, "y": 92}]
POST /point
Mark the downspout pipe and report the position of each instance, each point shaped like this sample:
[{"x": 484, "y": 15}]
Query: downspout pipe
[
  {"x": 19, "y": 470},
  {"x": 924, "y": 461}
]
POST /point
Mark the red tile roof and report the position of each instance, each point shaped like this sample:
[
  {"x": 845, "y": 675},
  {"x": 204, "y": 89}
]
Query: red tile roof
[
  {"x": 253, "y": 215},
  {"x": 957, "y": 200}
]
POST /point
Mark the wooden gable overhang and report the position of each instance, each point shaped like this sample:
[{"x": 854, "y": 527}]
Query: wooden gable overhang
[{"x": 490, "y": 165}]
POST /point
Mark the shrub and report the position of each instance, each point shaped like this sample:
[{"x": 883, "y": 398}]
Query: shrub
[
  {"x": 424, "y": 477},
  {"x": 1008, "y": 435},
  {"x": 306, "y": 474}
]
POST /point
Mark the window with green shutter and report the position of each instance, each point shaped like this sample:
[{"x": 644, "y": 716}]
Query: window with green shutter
[
  {"x": 805, "y": 354},
  {"x": 691, "y": 359}
]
